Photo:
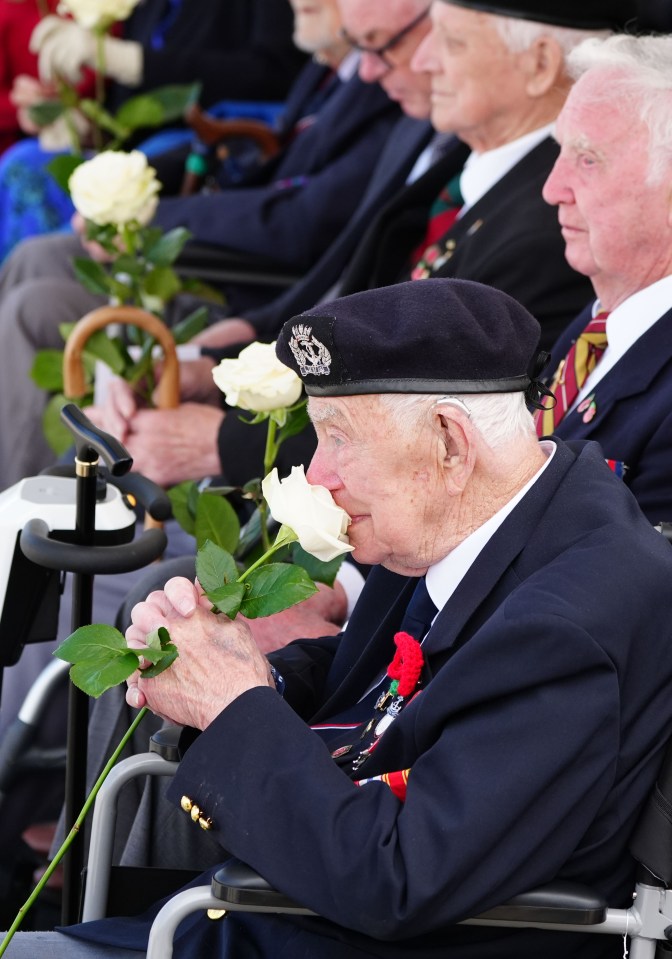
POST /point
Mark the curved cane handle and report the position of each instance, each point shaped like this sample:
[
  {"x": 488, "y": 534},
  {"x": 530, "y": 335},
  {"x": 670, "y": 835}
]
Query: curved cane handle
[{"x": 168, "y": 390}]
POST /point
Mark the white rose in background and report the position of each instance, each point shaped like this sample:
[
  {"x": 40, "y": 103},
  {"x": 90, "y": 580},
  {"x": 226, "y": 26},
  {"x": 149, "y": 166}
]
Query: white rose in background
[
  {"x": 115, "y": 188},
  {"x": 257, "y": 381},
  {"x": 310, "y": 511},
  {"x": 97, "y": 14}
]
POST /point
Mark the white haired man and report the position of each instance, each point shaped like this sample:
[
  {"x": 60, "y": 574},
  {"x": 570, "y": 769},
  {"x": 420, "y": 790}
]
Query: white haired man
[
  {"x": 611, "y": 187},
  {"x": 528, "y": 724}
]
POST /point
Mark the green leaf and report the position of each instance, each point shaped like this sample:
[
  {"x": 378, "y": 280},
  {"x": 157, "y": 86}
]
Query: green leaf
[
  {"x": 204, "y": 290},
  {"x": 217, "y": 521},
  {"x": 47, "y": 370},
  {"x": 192, "y": 324},
  {"x": 179, "y": 497},
  {"x": 92, "y": 276},
  {"x": 318, "y": 570},
  {"x": 162, "y": 105},
  {"x": 163, "y": 282},
  {"x": 92, "y": 110},
  {"x": 95, "y": 676},
  {"x": 296, "y": 422},
  {"x": 227, "y": 599},
  {"x": 275, "y": 587},
  {"x": 168, "y": 655},
  {"x": 166, "y": 248},
  {"x": 62, "y": 167},
  {"x": 215, "y": 567},
  {"x": 91, "y": 642},
  {"x": 99, "y": 346},
  {"x": 46, "y": 112}
]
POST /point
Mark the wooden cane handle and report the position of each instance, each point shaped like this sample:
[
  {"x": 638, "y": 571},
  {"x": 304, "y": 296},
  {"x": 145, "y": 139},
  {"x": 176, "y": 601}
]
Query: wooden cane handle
[{"x": 74, "y": 384}]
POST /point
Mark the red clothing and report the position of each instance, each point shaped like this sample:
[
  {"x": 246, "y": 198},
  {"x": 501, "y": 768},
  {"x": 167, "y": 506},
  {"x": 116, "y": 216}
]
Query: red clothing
[{"x": 17, "y": 19}]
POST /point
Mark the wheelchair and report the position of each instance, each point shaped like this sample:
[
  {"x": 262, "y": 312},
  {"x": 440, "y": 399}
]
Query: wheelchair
[{"x": 560, "y": 906}]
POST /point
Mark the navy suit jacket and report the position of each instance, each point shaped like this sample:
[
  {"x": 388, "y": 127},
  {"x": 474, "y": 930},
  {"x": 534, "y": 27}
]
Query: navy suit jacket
[
  {"x": 509, "y": 239},
  {"x": 309, "y": 195},
  {"x": 633, "y": 418},
  {"x": 535, "y": 738},
  {"x": 236, "y": 49}
]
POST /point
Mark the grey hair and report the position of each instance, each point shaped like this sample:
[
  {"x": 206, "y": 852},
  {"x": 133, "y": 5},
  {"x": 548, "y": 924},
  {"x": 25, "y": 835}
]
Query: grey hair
[
  {"x": 499, "y": 417},
  {"x": 519, "y": 35},
  {"x": 642, "y": 78}
]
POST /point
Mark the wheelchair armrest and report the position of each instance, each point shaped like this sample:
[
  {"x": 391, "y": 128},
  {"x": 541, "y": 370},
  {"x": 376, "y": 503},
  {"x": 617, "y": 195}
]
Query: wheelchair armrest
[
  {"x": 165, "y": 741},
  {"x": 566, "y": 903},
  {"x": 559, "y": 902},
  {"x": 236, "y": 883}
]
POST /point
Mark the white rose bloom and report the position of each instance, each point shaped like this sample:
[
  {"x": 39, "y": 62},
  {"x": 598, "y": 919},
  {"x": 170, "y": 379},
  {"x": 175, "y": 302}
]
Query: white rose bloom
[
  {"x": 257, "y": 380},
  {"x": 310, "y": 511},
  {"x": 93, "y": 14},
  {"x": 115, "y": 187}
]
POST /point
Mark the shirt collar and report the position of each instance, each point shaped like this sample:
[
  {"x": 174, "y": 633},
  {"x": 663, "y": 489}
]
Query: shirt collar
[
  {"x": 626, "y": 323},
  {"x": 444, "y": 577},
  {"x": 483, "y": 170},
  {"x": 348, "y": 66}
]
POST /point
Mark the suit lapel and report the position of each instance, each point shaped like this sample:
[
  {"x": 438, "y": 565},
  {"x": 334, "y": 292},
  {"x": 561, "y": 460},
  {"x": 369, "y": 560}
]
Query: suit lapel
[
  {"x": 632, "y": 375},
  {"x": 473, "y": 598}
]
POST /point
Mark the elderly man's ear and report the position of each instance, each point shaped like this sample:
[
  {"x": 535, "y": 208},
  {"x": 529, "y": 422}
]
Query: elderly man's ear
[
  {"x": 543, "y": 63},
  {"x": 457, "y": 448}
]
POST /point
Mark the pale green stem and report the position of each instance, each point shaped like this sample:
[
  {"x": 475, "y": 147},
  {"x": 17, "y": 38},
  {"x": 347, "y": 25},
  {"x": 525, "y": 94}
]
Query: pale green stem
[
  {"x": 279, "y": 543},
  {"x": 72, "y": 835},
  {"x": 270, "y": 454},
  {"x": 100, "y": 83}
]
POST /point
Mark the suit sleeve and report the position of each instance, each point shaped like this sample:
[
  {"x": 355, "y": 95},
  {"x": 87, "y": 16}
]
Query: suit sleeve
[
  {"x": 290, "y": 221},
  {"x": 514, "y": 762}
]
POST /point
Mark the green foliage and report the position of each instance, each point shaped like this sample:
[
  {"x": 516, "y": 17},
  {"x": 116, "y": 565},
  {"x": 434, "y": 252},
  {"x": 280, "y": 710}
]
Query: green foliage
[
  {"x": 215, "y": 567},
  {"x": 216, "y": 521},
  {"x": 101, "y": 659},
  {"x": 275, "y": 587},
  {"x": 62, "y": 167}
]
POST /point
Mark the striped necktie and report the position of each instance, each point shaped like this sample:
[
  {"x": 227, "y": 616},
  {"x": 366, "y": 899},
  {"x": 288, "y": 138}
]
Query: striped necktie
[
  {"x": 442, "y": 215},
  {"x": 573, "y": 371}
]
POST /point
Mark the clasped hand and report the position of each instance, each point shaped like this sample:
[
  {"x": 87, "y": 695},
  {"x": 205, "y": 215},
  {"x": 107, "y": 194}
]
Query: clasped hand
[{"x": 218, "y": 659}]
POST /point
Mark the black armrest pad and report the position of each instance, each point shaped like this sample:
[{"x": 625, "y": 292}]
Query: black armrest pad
[
  {"x": 560, "y": 902},
  {"x": 557, "y": 902},
  {"x": 237, "y": 883},
  {"x": 165, "y": 742}
]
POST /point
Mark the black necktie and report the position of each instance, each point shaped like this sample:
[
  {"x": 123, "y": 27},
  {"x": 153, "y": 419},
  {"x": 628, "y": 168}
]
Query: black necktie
[{"x": 419, "y": 613}]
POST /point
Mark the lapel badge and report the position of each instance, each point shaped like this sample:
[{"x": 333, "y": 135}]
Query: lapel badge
[
  {"x": 588, "y": 407},
  {"x": 311, "y": 356}
]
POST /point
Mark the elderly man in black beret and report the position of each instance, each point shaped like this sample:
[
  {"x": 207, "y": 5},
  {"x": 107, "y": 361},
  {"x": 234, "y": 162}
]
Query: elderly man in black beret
[{"x": 526, "y": 598}]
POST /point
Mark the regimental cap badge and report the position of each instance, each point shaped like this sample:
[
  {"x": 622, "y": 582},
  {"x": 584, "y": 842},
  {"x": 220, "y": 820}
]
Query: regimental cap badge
[{"x": 311, "y": 356}]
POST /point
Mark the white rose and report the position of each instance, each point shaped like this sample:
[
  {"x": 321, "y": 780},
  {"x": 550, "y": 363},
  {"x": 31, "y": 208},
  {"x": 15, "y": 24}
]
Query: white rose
[
  {"x": 257, "y": 380},
  {"x": 115, "y": 187},
  {"x": 310, "y": 511},
  {"x": 97, "y": 14}
]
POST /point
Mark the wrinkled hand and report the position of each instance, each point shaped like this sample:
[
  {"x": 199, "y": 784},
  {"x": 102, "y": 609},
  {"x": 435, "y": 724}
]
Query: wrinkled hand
[
  {"x": 62, "y": 48},
  {"x": 226, "y": 333},
  {"x": 168, "y": 446},
  {"x": 25, "y": 93},
  {"x": 218, "y": 659},
  {"x": 196, "y": 382},
  {"x": 118, "y": 410},
  {"x": 322, "y": 614}
]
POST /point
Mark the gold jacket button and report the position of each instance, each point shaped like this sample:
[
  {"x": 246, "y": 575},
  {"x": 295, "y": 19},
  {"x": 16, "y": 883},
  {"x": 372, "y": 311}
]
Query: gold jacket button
[
  {"x": 195, "y": 812},
  {"x": 205, "y": 823},
  {"x": 186, "y": 803}
]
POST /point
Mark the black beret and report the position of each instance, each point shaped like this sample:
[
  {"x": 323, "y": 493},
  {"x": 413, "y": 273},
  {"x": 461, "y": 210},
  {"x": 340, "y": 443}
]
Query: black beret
[
  {"x": 588, "y": 15},
  {"x": 428, "y": 336}
]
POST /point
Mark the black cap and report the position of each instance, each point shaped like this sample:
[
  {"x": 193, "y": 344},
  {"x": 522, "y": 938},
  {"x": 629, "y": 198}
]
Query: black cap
[
  {"x": 587, "y": 15},
  {"x": 428, "y": 336}
]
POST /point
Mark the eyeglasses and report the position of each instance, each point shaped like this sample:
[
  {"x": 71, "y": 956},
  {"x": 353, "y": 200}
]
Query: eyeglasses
[{"x": 391, "y": 43}]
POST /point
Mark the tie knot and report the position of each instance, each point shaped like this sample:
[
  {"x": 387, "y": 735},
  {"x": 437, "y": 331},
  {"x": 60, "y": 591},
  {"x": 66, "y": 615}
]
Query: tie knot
[
  {"x": 595, "y": 332},
  {"x": 420, "y": 612}
]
